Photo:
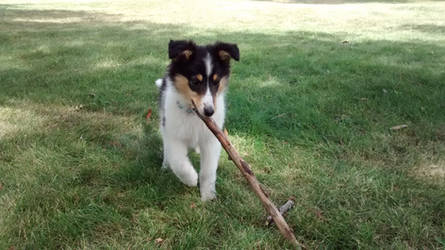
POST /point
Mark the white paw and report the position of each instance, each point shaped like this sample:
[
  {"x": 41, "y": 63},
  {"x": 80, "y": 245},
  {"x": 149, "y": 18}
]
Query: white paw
[
  {"x": 207, "y": 195},
  {"x": 191, "y": 179}
]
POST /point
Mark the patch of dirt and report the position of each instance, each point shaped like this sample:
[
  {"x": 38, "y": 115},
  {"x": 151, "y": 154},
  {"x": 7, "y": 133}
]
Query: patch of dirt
[{"x": 431, "y": 170}]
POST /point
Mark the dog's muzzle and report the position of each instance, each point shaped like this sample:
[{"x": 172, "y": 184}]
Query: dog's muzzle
[{"x": 208, "y": 111}]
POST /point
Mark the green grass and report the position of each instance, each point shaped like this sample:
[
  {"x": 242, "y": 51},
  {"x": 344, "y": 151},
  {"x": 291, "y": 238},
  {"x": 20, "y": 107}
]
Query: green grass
[{"x": 80, "y": 167}]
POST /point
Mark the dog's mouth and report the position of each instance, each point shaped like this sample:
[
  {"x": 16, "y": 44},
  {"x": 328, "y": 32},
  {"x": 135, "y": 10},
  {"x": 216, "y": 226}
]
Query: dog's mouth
[
  {"x": 203, "y": 110},
  {"x": 194, "y": 108}
]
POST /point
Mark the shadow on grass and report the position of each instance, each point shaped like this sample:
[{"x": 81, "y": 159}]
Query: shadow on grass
[
  {"x": 311, "y": 90},
  {"x": 425, "y": 28}
]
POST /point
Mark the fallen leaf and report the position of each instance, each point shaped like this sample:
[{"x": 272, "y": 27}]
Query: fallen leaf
[
  {"x": 193, "y": 205},
  {"x": 159, "y": 240},
  {"x": 398, "y": 127},
  {"x": 147, "y": 117},
  {"x": 319, "y": 214},
  {"x": 115, "y": 143}
]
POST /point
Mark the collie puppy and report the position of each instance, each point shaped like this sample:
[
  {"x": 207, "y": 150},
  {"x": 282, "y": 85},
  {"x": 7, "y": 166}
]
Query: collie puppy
[{"x": 199, "y": 74}]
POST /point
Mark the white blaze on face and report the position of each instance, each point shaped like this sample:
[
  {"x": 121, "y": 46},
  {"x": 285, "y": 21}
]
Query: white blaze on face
[
  {"x": 207, "y": 100},
  {"x": 208, "y": 63}
]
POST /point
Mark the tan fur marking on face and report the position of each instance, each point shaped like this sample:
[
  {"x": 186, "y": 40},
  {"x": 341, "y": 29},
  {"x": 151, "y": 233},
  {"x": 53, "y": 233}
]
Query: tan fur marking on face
[
  {"x": 187, "y": 53},
  {"x": 222, "y": 85},
  {"x": 215, "y": 76},
  {"x": 198, "y": 101},
  {"x": 182, "y": 86},
  {"x": 224, "y": 55},
  {"x": 199, "y": 77}
]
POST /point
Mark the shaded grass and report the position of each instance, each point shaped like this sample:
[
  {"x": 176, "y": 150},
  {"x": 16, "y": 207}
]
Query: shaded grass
[{"x": 80, "y": 168}]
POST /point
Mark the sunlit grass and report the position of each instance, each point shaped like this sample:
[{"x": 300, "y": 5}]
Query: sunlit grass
[{"x": 352, "y": 20}]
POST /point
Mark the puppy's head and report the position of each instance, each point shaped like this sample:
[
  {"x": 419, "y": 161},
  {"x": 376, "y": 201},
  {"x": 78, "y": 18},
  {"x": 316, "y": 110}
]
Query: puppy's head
[{"x": 201, "y": 73}]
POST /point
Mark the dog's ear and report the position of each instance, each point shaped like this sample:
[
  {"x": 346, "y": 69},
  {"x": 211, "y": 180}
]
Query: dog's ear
[
  {"x": 225, "y": 51},
  {"x": 178, "y": 50}
]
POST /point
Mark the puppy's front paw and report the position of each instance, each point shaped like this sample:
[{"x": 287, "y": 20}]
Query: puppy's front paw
[
  {"x": 208, "y": 195},
  {"x": 191, "y": 179}
]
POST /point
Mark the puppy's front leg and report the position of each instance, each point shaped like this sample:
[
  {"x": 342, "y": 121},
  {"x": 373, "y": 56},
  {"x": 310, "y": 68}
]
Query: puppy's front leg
[
  {"x": 210, "y": 151},
  {"x": 176, "y": 152}
]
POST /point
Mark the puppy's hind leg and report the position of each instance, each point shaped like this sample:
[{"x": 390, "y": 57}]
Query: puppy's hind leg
[{"x": 179, "y": 163}]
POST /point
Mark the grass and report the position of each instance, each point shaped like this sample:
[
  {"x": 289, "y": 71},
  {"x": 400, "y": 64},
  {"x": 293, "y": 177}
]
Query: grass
[{"x": 310, "y": 107}]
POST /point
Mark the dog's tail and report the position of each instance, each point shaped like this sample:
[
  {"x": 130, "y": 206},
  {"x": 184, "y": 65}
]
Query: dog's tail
[{"x": 158, "y": 83}]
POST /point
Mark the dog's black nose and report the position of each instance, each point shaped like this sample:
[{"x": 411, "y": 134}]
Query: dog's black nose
[{"x": 208, "y": 111}]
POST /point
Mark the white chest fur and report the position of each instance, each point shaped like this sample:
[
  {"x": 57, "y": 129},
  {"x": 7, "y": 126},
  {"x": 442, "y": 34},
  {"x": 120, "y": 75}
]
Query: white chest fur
[{"x": 185, "y": 126}]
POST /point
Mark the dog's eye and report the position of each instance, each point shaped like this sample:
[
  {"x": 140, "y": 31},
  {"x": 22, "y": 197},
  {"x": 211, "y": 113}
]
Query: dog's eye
[
  {"x": 196, "y": 79},
  {"x": 215, "y": 78}
]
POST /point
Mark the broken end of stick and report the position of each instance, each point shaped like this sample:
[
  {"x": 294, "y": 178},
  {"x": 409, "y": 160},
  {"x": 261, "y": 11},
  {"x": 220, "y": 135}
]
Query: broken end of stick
[{"x": 286, "y": 207}]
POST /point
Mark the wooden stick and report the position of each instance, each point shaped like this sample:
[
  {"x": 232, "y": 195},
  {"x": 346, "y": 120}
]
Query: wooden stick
[
  {"x": 283, "y": 210},
  {"x": 244, "y": 167}
]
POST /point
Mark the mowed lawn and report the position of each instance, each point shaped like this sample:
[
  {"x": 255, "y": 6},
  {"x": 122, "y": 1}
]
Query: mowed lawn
[{"x": 310, "y": 107}]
